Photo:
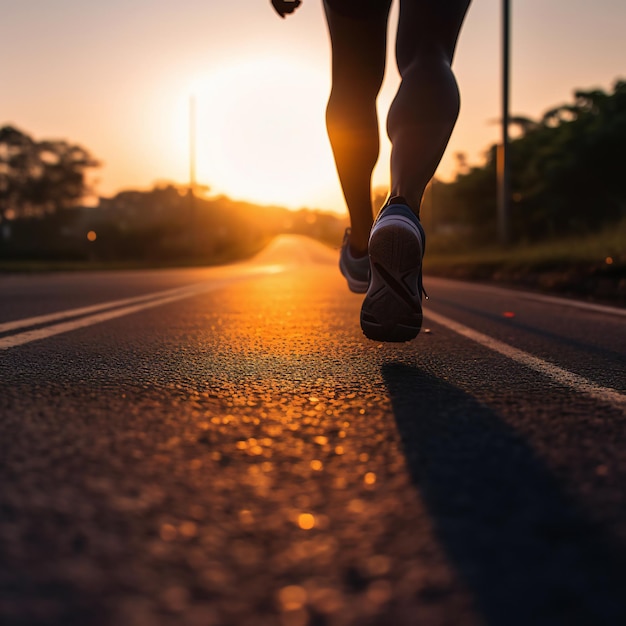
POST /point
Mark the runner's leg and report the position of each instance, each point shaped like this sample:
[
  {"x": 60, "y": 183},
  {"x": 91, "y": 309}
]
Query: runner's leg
[
  {"x": 425, "y": 109},
  {"x": 358, "y": 64}
]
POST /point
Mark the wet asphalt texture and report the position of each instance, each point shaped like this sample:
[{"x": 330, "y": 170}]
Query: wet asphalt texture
[{"x": 246, "y": 457}]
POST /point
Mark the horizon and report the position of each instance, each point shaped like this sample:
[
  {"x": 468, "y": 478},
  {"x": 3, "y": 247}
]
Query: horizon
[{"x": 260, "y": 116}]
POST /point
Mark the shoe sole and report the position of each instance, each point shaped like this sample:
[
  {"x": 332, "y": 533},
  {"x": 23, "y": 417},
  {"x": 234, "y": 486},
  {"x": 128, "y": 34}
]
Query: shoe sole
[{"x": 392, "y": 309}]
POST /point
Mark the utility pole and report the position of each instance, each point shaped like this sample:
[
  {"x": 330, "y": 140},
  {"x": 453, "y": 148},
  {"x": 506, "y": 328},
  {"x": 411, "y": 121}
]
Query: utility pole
[
  {"x": 192, "y": 177},
  {"x": 192, "y": 144},
  {"x": 503, "y": 161}
]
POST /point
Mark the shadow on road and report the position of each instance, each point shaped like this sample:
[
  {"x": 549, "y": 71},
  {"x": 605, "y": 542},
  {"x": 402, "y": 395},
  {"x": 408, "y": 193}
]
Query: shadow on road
[{"x": 524, "y": 548}]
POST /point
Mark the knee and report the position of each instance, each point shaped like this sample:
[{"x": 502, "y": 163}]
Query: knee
[
  {"x": 353, "y": 92},
  {"x": 355, "y": 87},
  {"x": 425, "y": 57}
]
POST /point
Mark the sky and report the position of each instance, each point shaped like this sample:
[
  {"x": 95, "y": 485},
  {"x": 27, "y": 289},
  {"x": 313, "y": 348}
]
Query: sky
[{"x": 117, "y": 77}]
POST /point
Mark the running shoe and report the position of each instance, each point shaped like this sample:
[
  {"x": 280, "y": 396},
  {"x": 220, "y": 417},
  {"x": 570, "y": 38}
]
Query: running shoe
[
  {"x": 355, "y": 270},
  {"x": 392, "y": 309}
]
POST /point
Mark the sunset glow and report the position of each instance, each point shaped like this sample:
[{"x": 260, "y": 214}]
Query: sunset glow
[
  {"x": 117, "y": 79},
  {"x": 260, "y": 131}
]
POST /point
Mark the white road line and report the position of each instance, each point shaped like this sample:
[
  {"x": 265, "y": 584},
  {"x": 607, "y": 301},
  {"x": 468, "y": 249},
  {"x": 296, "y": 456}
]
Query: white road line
[
  {"x": 62, "y": 315},
  {"x": 103, "y": 313},
  {"x": 556, "y": 373},
  {"x": 65, "y": 327}
]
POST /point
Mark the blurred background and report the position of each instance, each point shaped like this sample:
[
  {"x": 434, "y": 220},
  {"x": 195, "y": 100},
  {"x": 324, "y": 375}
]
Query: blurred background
[{"x": 169, "y": 133}]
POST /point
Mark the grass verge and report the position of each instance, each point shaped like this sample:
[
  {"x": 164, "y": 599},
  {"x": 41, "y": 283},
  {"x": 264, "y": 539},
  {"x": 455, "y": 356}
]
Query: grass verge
[{"x": 592, "y": 267}]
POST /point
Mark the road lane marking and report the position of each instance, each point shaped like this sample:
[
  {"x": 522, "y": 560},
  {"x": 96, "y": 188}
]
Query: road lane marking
[
  {"x": 247, "y": 270},
  {"x": 562, "y": 376},
  {"x": 61, "y": 315},
  {"x": 105, "y": 311}
]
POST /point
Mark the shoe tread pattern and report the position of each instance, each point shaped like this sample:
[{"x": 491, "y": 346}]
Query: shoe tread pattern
[{"x": 392, "y": 309}]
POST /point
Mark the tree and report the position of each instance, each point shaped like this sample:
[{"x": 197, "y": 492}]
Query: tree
[
  {"x": 567, "y": 172},
  {"x": 42, "y": 177}
]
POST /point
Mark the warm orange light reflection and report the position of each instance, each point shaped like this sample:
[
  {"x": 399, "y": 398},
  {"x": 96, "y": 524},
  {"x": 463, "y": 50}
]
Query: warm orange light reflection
[
  {"x": 292, "y": 597},
  {"x": 188, "y": 529},
  {"x": 306, "y": 521},
  {"x": 370, "y": 478}
]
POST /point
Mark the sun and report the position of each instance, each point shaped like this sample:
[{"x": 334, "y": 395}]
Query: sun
[{"x": 260, "y": 132}]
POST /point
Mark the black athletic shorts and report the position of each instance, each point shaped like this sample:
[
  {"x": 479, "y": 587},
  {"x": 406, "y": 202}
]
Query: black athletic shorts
[{"x": 359, "y": 9}]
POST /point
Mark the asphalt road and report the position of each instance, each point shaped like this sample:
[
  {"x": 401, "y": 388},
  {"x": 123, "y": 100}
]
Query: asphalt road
[{"x": 217, "y": 447}]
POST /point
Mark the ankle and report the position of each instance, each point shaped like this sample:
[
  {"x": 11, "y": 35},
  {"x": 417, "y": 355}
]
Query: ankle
[
  {"x": 400, "y": 199},
  {"x": 357, "y": 251},
  {"x": 358, "y": 241}
]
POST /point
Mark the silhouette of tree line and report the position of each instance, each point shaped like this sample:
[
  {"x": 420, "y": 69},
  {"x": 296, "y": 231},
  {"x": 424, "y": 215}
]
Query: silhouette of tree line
[
  {"x": 43, "y": 183},
  {"x": 567, "y": 177},
  {"x": 169, "y": 223},
  {"x": 567, "y": 170}
]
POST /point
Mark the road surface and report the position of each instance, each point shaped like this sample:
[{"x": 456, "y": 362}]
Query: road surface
[{"x": 222, "y": 446}]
